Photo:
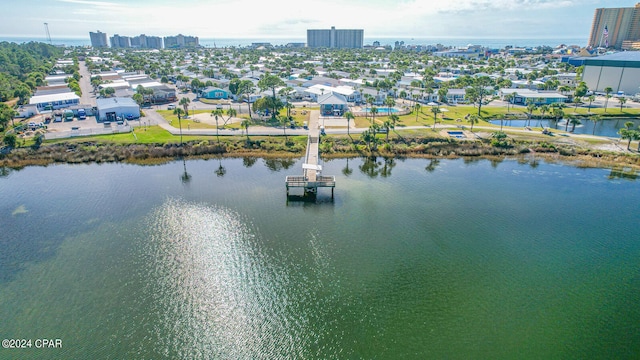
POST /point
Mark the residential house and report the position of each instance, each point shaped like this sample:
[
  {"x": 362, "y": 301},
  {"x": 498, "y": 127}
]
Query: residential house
[{"x": 214, "y": 93}]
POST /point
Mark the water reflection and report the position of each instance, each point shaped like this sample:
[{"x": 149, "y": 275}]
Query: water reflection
[
  {"x": 215, "y": 288},
  {"x": 185, "y": 177},
  {"x": 249, "y": 161},
  {"x": 276, "y": 165},
  {"x": 221, "y": 170},
  {"x": 433, "y": 164},
  {"x": 347, "y": 170},
  {"x": 623, "y": 173},
  {"x": 374, "y": 168}
]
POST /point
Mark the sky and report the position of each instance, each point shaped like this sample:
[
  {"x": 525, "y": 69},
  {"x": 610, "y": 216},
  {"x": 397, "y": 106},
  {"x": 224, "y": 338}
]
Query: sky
[{"x": 272, "y": 19}]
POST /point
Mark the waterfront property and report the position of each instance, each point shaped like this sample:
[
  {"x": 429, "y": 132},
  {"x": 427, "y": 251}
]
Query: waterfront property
[
  {"x": 332, "y": 104},
  {"x": 312, "y": 177}
]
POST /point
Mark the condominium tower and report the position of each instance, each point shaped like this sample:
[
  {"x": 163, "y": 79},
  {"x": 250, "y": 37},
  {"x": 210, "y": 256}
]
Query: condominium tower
[
  {"x": 615, "y": 27},
  {"x": 333, "y": 38},
  {"x": 98, "y": 39}
]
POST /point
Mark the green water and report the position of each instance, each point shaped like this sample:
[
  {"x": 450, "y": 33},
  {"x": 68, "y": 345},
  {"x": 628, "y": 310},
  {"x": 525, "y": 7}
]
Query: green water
[{"x": 411, "y": 259}]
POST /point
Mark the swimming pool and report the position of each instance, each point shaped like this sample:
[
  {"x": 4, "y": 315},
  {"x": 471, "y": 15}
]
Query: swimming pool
[
  {"x": 382, "y": 110},
  {"x": 456, "y": 134}
]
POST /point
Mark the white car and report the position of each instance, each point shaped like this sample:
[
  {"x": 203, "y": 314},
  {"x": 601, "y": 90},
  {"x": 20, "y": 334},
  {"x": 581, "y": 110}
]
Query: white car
[{"x": 171, "y": 107}]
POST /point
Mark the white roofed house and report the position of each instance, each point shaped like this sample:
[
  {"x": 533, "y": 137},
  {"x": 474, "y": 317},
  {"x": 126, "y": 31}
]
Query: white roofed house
[
  {"x": 54, "y": 101},
  {"x": 332, "y": 104},
  {"x": 526, "y": 96}
]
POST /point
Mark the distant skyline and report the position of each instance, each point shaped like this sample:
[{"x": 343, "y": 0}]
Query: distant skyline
[{"x": 290, "y": 19}]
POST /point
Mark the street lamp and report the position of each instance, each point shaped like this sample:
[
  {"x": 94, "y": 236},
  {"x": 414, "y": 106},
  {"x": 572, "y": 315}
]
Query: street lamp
[
  {"x": 217, "y": 129},
  {"x": 180, "y": 124}
]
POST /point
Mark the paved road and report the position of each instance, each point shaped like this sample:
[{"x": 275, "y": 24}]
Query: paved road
[{"x": 87, "y": 98}]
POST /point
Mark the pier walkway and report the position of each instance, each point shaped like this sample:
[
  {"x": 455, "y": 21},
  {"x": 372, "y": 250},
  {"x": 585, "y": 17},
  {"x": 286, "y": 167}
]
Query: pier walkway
[{"x": 312, "y": 179}]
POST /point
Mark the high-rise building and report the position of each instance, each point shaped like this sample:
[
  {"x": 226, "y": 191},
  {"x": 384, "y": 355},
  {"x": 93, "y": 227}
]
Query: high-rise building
[
  {"x": 613, "y": 26},
  {"x": 118, "y": 41},
  {"x": 181, "y": 41},
  {"x": 340, "y": 39},
  {"x": 98, "y": 39},
  {"x": 146, "y": 42}
]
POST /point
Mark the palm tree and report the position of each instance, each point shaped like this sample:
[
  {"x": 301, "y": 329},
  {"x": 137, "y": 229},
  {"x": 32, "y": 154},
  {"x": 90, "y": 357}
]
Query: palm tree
[
  {"x": 387, "y": 125},
  {"x": 595, "y": 119},
  {"x": 473, "y": 119},
  {"x": 374, "y": 111},
  {"x": 178, "y": 111},
  {"x": 231, "y": 112},
  {"x": 435, "y": 110},
  {"x": 508, "y": 99},
  {"x": 349, "y": 116},
  {"x": 591, "y": 98},
  {"x": 608, "y": 90},
  {"x": 568, "y": 119},
  {"x": 575, "y": 121},
  {"x": 558, "y": 114},
  {"x": 394, "y": 120},
  {"x": 283, "y": 120},
  {"x": 245, "y": 124},
  {"x": 543, "y": 110},
  {"x": 530, "y": 108},
  {"x": 390, "y": 102},
  {"x": 622, "y": 101},
  {"x": 185, "y": 104},
  {"x": 628, "y": 134},
  {"x": 417, "y": 108}
]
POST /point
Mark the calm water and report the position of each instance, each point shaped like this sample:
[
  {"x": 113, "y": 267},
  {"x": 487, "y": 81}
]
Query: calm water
[
  {"x": 608, "y": 128},
  {"x": 412, "y": 259}
]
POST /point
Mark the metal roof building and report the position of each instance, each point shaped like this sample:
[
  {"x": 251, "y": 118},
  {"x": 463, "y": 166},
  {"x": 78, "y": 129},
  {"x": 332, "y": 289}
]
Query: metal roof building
[
  {"x": 111, "y": 108},
  {"x": 619, "y": 71}
]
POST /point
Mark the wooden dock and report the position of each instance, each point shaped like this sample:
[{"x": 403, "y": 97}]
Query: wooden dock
[{"x": 312, "y": 179}]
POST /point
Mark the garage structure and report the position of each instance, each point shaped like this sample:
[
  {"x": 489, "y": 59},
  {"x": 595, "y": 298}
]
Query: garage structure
[
  {"x": 109, "y": 109},
  {"x": 619, "y": 71}
]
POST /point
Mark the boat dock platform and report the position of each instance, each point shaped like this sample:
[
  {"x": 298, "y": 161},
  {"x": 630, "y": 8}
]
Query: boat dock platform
[{"x": 312, "y": 177}]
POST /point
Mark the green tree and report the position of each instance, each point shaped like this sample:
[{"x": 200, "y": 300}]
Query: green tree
[
  {"x": 608, "y": 90},
  {"x": 184, "y": 102},
  {"x": 622, "y": 101},
  {"x": 245, "y": 124},
  {"x": 138, "y": 98},
  {"x": 479, "y": 90},
  {"x": 473, "y": 119},
  {"x": 349, "y": 116},
  {"x": 591, "y": 99},
  {"x": 387, "y": 125},
  {"x": 231, "y": 113},
  {"x": 629, "y": 134},
  {"x": 435, "y": 110},
  {"x": 10, "y": 140},
  {"x": 530, "y": 109},
  {"x": 574, "y": 121},
  {"x": 269, "y": 81},
  {"x": 178, "y": 111},
  {"x": 595, "y": 119}
]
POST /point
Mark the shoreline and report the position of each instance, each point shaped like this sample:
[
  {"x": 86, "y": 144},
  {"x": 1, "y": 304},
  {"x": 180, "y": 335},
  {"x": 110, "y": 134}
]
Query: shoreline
[{"x": 335, "y": 148}]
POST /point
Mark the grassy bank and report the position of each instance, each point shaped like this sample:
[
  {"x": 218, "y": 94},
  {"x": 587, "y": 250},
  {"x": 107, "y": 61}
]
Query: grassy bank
[{"x": 155, "y": 145}]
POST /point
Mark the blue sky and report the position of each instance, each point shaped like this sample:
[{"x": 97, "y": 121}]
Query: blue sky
[{"x": 290, "y": 18}]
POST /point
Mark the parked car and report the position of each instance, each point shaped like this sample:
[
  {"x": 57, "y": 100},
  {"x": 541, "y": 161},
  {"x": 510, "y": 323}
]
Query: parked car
[
  {"x": 130, "y": 117},
  {"x": 171, "y": 107}
]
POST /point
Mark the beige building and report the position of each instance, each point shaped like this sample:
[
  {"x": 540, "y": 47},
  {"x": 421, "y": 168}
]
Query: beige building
[{"x": 620, "y": 23}]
